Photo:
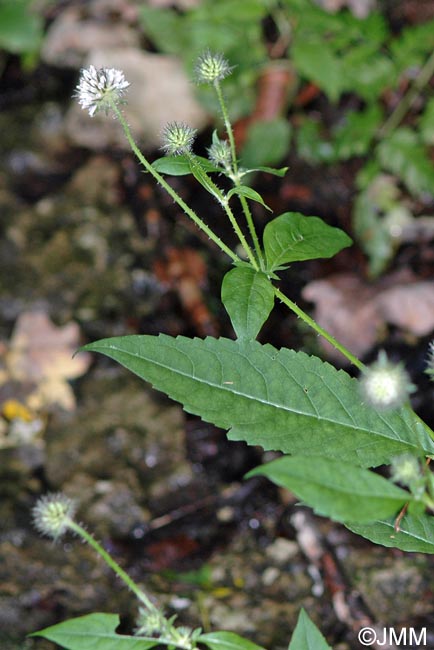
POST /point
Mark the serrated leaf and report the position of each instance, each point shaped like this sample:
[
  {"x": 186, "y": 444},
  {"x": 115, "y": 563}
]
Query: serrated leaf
[
  {"x": 248, "y": 297},
  {"x": 404, "y": 155},
  {"x": 293, "y": 237},
  {"x": 93, "y": 632},
  {"x": 248, "y": 193},
  {"x": 283, "y": 400},
  {"x": 416, "y": 533},
  {"x": 180, "y": 165},
  {"x": 334, "y": 489},
  {"x": 227, "y": 641},
  {"x": 306, "y": 635}
]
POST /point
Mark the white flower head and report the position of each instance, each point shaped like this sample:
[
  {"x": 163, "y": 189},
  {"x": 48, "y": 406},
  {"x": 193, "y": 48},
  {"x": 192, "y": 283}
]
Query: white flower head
[
  {"x": 385, "y": 385},
  {"x": 100, "y": 89},
  {"x": 53, "y": 514}
]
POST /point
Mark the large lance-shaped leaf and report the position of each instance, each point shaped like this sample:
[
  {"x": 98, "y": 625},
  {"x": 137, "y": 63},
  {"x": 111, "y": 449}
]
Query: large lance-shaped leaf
[
  {"x": 307, "y": 636},
  {"x": 334, "y": 489},
  {"x": 282, "y": 400},
  {"x": 416, "y": 533},
  {"x": 292, "y": 237},
  {"x": 94, "y": 632},
  {"x": 248, "y": 297}
]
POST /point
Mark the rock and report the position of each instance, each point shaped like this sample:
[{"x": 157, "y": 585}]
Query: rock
[
  {"x": 70, "y": 38},
  {"x": 160, "y": 92}
]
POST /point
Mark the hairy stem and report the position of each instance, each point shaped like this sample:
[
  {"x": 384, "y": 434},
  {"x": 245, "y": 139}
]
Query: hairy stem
[
  {"x": 322, "y": 332},
  {"x": 235, "y": 177},
  {"x": 221, "y": 198},
  {"x": 87, "y": 537},
  {"x": 175, "y": 196}
]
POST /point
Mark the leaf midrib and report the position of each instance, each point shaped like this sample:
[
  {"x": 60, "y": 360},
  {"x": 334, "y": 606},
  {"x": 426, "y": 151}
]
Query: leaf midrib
[{"x": 255, "y": 398}]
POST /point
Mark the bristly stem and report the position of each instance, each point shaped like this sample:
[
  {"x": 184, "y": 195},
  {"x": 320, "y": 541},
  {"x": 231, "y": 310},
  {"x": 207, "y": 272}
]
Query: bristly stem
[
  {"x": 221, "y": 198},
  {"x": 235, "y": 176},
  {"x": 322, "y": 332},
  {"x": 409, "y": 98},
  {"x": 175, "y": 196},
  {"x": 129, "y": 582}
]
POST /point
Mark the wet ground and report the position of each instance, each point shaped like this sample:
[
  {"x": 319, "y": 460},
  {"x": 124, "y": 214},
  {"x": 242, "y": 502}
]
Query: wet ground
[{"x": 85, "y": 238}]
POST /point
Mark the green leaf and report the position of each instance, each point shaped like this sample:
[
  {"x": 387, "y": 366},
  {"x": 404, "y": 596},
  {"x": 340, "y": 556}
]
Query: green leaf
[
  {"x": 267, "y": 170},
  {"x": 165, "y": 28},
  {"x": 293, "y": 237},
  {"x": 416, "y": 533},
  {"x": 282, "y": 400},
  {"x": 316, "y": 61},
  {"x": 334, "y": 489},
  {"x": 248, "y": 297},
  {"x": 180, "y": 165},
  {"x": 404, "y": 155},
  {"x": 311, "y": 146},
  {"x": 227, "y": 641},
  {"x": 244, "y": 190},
  {"x": 426, "y": 124},
  {"x": 93, "y": 632},
  {"x": 354, "y": 137},
  {"x": 307, "y": 636},
  {"x": 21, "y": 29},
  {"x": 267, "y": 142}
]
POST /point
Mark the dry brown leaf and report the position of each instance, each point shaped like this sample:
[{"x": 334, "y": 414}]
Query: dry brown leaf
[
  {"x": 41, "y": 353},
  {"x": 355, "y": 312}
]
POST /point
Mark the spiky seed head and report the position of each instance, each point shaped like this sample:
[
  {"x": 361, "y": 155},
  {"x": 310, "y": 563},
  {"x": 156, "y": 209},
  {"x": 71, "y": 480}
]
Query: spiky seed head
[
  {"x": 178, "y": 138},
  {"x": 100, "y": 89},
  {"x": 405, "y": 469},
  {"x": 211, "y": 67}
]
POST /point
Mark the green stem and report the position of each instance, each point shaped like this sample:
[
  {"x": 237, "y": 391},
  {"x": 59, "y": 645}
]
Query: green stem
[
  {"x": 221, "y": 198},
  {"x": 234, "y": 176},
  {"x": 228, "y": 125},
  {"x": 175, "y": 196},
  {"x": 409, "y": 98},
  {"x": 322, "y": 332},
  {"x": 82, "y": 532}
]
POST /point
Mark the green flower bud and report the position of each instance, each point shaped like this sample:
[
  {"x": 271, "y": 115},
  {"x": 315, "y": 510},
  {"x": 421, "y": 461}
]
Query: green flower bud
[
  {"x": 385, "y": 385},
  {"x": 211, "y": 67},
  {"x": 178, "y": 138},
  {"x": 53, "y": 514},
  {"x": 219, "y": 153}
]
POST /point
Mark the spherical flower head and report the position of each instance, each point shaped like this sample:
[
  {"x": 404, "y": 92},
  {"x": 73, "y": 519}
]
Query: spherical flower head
[
  {"x": 430, "y": 361},
  {"x": 385, "y": 385},
  {"x": 178, "y": 138},
  {"x": 100, "y": 89},
  {"x": 211, "y": 67},
  {"x": 53, "y": 514},
  {"x": 405, "y": 469}
]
